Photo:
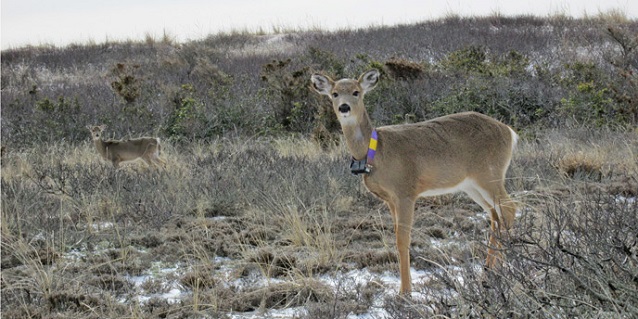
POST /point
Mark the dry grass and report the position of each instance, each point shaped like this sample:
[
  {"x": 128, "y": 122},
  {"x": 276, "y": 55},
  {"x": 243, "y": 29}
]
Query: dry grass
[
  {"x": 612, "y": 16},
  {"x": 251, "y": 225},
  {"x": 594, "y": 159},
  {"x": 241, "y": 220}
]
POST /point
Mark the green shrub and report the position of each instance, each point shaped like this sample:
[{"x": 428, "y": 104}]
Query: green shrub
[
  {"x": 624, "y": 86},
  {"x": 295, "y": 108},
  {"x": 589, "y": 104},
  {"x": 288, "y": 93},
  {"x": 126, "y": 84},
  {"x": 188, "y": 120},
  {"x": 501, "y": 97},
  {"x": 477, "y": 60},
  {"x": 472, "y": 59},
  {"x": 58, "y": 119},
  {"x": 512, "y": 63},
  {"x": 591, "y": 98},
  {"x": 326, "y": 61}
]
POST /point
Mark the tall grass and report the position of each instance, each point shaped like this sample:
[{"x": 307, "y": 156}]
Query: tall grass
[
  {"x": 287, "y": 211},
  {"x": 256, "y": 206}
]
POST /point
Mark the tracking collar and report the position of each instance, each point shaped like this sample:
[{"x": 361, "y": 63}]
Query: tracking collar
[{"x": 364, "y": 166}]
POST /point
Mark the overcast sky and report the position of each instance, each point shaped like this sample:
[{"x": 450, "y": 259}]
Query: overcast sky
[{"x": 60, "y": 22}]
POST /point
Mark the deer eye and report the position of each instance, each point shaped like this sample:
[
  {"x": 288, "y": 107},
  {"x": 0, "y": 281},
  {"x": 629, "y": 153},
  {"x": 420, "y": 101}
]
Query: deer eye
[
  {"x": 355, "y": 93},
  {"x": 335, "y": 94}
]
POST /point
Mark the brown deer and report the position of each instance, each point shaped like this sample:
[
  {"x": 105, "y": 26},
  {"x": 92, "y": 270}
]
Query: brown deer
[
  {"x": 117, "y": 151},
  {"x": 467, "y": 152}
]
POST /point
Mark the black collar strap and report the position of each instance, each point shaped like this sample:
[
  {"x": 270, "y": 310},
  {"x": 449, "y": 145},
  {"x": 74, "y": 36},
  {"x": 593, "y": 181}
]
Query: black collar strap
[
  {"x": 359, "y": 167},
  {"x": 365, "y": 165}
]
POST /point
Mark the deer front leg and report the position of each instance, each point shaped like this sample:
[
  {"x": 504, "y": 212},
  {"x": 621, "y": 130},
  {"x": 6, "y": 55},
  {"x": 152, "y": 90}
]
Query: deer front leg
[
  {"x": 403, "y": 226},
  {"x": 116, "y": 163},
  {"x": 393, "y": 212}
]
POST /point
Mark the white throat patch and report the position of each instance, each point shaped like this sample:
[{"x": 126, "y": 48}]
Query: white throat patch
[
  {"x": 357, "y": 134},
  {"x": 347, "y": 119}
]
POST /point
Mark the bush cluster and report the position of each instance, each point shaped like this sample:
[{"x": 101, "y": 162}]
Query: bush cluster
[{"x": 243, "y": 84}]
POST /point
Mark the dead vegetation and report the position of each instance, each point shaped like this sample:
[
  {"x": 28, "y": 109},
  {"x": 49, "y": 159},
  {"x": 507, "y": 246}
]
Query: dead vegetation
[
  {"x": 251, "y": 216},
  {"x": 229, "y": 243}
]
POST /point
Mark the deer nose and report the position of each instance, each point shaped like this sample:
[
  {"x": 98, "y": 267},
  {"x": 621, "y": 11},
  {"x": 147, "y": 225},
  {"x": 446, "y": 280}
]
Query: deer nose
[{"x": 344, "y": 108}]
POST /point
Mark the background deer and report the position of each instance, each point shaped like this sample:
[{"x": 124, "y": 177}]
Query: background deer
[
  {"x": 467, "y": 152},
  {"x": 117, "y": 151}
]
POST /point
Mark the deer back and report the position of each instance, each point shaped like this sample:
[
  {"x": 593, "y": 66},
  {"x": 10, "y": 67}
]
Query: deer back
[{"x": 442, "y": 152}]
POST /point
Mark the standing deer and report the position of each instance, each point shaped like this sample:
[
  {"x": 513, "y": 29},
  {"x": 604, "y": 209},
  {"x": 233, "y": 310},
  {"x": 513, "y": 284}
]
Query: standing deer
[
  {"x": 117, "y": 151},
  {"x": 467, "y": 152}
]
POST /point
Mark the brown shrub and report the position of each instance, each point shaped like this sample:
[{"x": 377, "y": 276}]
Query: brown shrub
[{"x": 403, "y": 69}]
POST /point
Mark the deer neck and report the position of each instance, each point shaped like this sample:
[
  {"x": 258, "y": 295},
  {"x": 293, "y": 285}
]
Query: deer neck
[
  {"x": 357, "y": 135},
  {"x": 101, "y": 147}
]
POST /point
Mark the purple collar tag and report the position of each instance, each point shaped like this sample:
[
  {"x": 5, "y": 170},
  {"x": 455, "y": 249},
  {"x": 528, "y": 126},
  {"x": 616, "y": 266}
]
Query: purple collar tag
[
  {"x": 364, "y": 166},
  {"x": 372, "y": 148}
]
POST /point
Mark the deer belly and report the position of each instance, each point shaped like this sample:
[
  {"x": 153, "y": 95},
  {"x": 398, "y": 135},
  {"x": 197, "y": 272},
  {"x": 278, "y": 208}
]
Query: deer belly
[{"x": 460, "y": 187}]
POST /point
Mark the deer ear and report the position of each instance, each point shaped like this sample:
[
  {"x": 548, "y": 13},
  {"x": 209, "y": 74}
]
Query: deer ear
[
  {"x": 321, "y": 84},
  {"x": 369, "y": 80}
]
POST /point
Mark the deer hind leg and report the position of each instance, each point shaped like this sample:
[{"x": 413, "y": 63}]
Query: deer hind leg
[
  {"x": 505, "y": 210},
  {"x": 159, "y": 152},
  {"x": 494, "y": 246},
  {"x": 495, "y": 201},
  {"x": 157, "y": 159},
  {"x": 150, "y": 157},
  {"x": 154, "y": 156},
  {"x": 148, "y": 162},
  {"x": 158, "y": 162},
  {"x": 404, "y": 215}
]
